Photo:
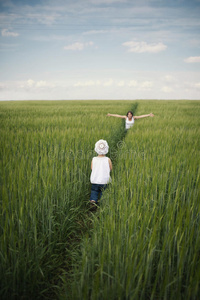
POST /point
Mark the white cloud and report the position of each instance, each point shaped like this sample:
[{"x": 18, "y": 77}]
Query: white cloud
[
  {"x": 95, "y": 89},
  {"x": 75, "y": 46},
  {"x": 28, "y": 85},
  {"x": 146, "y": 84},
  {"x": 197, "y": 85},
  {"x": 6, "y": 32},
  {"x": 142, "y": 47},
  {"x": 78, "y": 46},
  {"x": 109, "y": 82},
  {"x": 192, "y": 59},
  {"x": 30, "y": 82},
  {"x": 132, "y": 83},
  {"x": 3, "y": 86},
  {"x": 166, "y": 89},
  {"x": 90, "y": 83},
  {"x": 169, "y": 78},
  {"x": 121, "y": 83},
  {"x": 87, "y": 83},
  {"x": 42, "y": 84},
  {"x": 45, "y": 18},
  {"x": 90, "y": 32}
]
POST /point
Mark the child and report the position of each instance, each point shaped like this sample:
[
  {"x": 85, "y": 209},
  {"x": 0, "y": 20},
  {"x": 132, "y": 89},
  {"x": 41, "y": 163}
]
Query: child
[{"x": 101, "y": 167}]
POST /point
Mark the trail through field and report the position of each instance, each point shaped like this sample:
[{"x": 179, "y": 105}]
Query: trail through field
[
  {"x": 46, "y": 153},
  {"x": 116, "y": 144},
  {"x": 145, "y": 240}
]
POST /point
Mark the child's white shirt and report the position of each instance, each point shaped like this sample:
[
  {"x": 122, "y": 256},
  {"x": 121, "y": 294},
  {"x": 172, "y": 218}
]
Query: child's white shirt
[{"x": 100, "y": 170}]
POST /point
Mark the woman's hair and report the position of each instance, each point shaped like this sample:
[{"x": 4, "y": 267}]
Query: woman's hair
[{"x": 129, "y": 112}]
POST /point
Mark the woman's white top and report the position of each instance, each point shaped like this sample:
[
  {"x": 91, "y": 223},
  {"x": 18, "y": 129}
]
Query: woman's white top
[
  {"x": 100, "y": 170},
  {"x": 129, "y": 124}
]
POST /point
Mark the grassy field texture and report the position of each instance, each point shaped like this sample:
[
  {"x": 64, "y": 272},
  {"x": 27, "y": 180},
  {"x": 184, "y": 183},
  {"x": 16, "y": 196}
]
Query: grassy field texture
[
  {"x": 142, "y": 243},
  {"x": 46, "y": 151},
  {"x": 145, "y": 242}
]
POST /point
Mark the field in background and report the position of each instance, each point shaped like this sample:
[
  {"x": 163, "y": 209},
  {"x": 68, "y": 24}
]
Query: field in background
[
  {"x": 144, "y": 242},
  {"x": 46, "y": 152}
]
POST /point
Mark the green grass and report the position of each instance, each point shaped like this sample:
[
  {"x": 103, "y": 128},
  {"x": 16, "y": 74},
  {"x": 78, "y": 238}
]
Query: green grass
[
  {"x": 142, "y": 243},
  {"x": 145, "y": 242},
  {"x": 46, "y": 149}
]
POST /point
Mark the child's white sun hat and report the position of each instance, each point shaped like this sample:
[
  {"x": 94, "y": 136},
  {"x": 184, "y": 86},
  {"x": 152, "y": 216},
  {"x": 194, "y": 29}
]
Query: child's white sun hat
[{"x": 101, "y": 147}]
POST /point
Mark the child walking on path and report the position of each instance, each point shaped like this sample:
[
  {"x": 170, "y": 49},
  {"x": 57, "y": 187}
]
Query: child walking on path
[{"x": 101, "y": 167}]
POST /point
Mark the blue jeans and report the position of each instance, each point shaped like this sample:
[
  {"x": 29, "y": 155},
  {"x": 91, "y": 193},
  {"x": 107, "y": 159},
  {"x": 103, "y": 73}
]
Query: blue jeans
[{"x": 96, "y": 191}]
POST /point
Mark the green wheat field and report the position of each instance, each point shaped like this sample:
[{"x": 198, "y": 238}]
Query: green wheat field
[{"x": 142, "y": 242}]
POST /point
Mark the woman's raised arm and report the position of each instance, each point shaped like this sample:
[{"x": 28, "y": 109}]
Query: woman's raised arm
[
  {"x": 143, "y": 116},
  {"x": 117, "y": 116}
]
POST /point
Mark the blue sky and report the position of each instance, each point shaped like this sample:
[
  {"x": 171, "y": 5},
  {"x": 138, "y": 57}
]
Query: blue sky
[{"x": 99, "y": 49}]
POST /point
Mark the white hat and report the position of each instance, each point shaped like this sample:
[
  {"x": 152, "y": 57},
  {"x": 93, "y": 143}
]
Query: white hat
[{"x": 101, "y": 147}]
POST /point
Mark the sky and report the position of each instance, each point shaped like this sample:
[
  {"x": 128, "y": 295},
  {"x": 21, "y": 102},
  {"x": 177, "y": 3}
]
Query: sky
[{"x": 99, "y": 49}]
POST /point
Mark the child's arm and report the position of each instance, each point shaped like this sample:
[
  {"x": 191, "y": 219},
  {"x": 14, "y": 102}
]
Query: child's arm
[
  {"x": 118, "y": 116},
  {"x": 110, "y": 164}
]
